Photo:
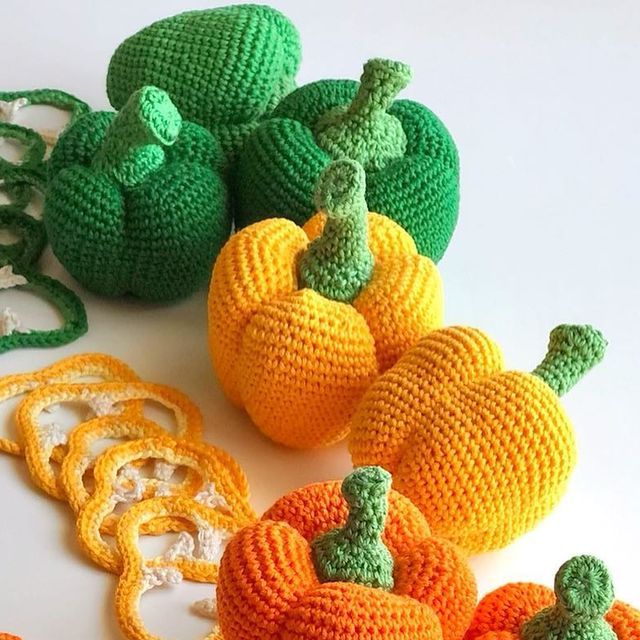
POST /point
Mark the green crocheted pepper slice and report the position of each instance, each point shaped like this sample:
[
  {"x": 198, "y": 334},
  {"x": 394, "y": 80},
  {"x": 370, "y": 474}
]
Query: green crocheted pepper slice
[
  {"x": 136, "y": 202},
  {"x": 355, "y": 553},
  {"x": 34, "y": 148},
  {"x": 573, "y": 350},
  {"x": 31, "y": 235},
  {"x": 13, "y": 335},
  {"x": 224, "y": 68},
  {"x": 410, "y": 159},
  {"x": 339, "y": 263},
  {"x": 584, "y": 594}
]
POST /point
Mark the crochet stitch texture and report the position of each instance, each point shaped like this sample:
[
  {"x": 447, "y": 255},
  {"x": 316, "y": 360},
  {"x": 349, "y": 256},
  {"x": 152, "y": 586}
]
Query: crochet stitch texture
[{"x": 224, "y": 68}]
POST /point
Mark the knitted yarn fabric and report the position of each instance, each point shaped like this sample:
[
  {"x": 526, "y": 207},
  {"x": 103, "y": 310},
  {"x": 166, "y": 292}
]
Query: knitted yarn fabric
[
  {"x": 224, "y": 68},
  {"x": 301, "y": 321},
  {"x": 410, "y": 158},
  {"x": 582, "y": 608},
  {"x": 273, "y": 585},
  {"x": 136, "y": 203},
  {"x": 483, "y": 452}
]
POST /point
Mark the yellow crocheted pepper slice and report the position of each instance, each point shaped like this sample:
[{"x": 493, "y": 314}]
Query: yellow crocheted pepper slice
[
  {"x": 301, "y": 321},
  {"x": 220, "y": 485},
  {"x": 104, "y": 399},
  {"x": 72, "y": 369},
  {"x": 483, "y": 452},
  {"x": 191, "y": 557},
  {"x": 80, "y": 458}
]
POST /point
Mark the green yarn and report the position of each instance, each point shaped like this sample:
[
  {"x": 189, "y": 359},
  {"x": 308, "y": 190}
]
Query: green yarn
[
  {"x": 573, "y": 350},
  {"x": 224, "y": 68},
  {"x": 364, "y": 131},
  {"x": 32, "y": 237},
  {"x": 584, "y": 594},
  {"x": 280, "y": 163},
  {"x": 34, "y": 148},
  {"x": 339, "y": 263},
  {"x": 355, "y": 553},
  {"x": 126, "y": 214}
]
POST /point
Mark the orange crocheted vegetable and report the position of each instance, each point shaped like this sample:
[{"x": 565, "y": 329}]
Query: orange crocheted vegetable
[
  {"x": 582, "y": 608},
  {"x": 358, "y": 566},
  {"x": 483, "y": 452},
  {"x": 302, "y": 321}
]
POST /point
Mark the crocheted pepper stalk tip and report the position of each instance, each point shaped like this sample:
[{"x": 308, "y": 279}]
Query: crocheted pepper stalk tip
[
  {"x": 447, "y": 416},
  {"x": 355, "y": 561},
  {"x": 581, "y": 606},
  {"x": 302, "y": 320},
  {"x": 409, "y": 157},
  {"x": 136, "y": 203},
  {"x": 224, "y": 68}
]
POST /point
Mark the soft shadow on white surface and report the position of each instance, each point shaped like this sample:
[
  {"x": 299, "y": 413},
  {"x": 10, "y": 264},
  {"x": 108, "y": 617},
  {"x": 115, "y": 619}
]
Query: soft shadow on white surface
[{"x": 542, "y": 102}]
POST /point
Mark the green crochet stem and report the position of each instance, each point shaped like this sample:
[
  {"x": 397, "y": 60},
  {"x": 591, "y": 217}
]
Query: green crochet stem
[
  {"x": 573, "y": 350},
  {"x": 355, "y": 553},
  {"x": 584, "y": 594},
  {"x": 339, "y": 263},
  {"x": 364, "y": 130},
  {"x": 133, "y": 146}
]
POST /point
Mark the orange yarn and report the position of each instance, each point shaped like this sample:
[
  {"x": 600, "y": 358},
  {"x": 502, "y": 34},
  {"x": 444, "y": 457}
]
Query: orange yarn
[
  {"x": 299, "y": 362},
  {"x": 268, "y": 588},
  {"x": 484, "y": 453},
  {"x": 501, "y": 614}
]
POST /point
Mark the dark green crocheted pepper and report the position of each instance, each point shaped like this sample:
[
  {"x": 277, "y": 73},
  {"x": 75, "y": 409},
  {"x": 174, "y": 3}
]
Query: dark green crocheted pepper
[
  {"x": 410, "y": 159},
  {"x": 584, "y": 594},
  {"x": 224, "y": 68},
  {"x": 355, "y": 553},
  {"x": 136, "y": 203}
]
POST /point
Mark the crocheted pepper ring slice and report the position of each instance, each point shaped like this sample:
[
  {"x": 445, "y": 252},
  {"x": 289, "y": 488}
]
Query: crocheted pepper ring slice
[
  {"x": 136, "y": 203},
  {"x": 356, "y": 566},
  {"x": 483, "y": 452},
  {"x": 410, "y": 158},
  {"x": 301, "y": 321},
  {"x": 582, "y": 607}
]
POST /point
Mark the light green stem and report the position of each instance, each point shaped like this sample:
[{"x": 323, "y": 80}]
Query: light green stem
[
  {"x": 573, "y": 350},
  {"x": 133, "y": 146},
  {"x": 355, "y": 553},
  {"x": 364, "y": 130},
  {"x": 339, "y": 263},
  {"x": 584, "y": 594}
]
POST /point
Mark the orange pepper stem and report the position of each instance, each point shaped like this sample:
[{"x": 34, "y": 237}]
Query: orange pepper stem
[
  {"x": 133, "y": 146},
  {"x": 364, "y": 130},
  {"x": 573, "y": 350},
  {"x": 355, "y": 553},
  {"x": 584, "y": 594},
  {"x": 339, "y": 263}
]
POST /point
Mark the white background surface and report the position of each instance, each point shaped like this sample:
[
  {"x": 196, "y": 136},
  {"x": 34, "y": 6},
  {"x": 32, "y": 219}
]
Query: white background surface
[{"x": 542, "y": 99}]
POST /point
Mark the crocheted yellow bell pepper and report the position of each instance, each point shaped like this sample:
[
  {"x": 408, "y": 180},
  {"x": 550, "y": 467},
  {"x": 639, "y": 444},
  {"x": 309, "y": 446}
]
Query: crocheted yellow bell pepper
[
  {"x": 483, "y": 452},
  {"x": 301, "y": 321}
]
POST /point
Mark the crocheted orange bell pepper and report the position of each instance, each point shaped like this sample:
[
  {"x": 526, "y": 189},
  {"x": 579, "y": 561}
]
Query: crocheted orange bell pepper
[
  {"x": 483, "y": 452},
  {"x": 357, "y": 566},
  {"x": 582, "y": 608},
  {"x": 302, "y": 321}
]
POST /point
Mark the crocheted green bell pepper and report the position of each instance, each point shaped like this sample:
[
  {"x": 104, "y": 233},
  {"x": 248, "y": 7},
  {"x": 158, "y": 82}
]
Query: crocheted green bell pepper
[
  {"x": 223, "y": 68},
  {"x": 135, "y": 203},
  {"x": 410, "y": 159}
]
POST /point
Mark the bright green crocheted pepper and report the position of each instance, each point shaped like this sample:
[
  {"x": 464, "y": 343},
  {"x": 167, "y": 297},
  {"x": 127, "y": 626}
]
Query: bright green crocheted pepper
[
  {"x": 339, "y": 263},
  {"x": 410, "y": 159},
  {"x": 355, "y": 553},
  {"x": 573, "y": 350},
  {"x": 136, "y": 203},
  {"x": 224, "y": 68},
  {"x": 584, "y": 594}
]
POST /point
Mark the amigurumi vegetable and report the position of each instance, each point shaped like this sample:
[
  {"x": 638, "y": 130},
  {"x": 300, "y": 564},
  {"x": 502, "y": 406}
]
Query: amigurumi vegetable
[
  {"x": 410, "y": 159},
  {"x": 223, "y": 68},
  {"x": 136, "y": 204},
  {"x": 359, "y": 567},
  {"x": 301, "y": 321},
  {"x": 484, "y": 453},
  {"x": 582, "y": 608}
]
